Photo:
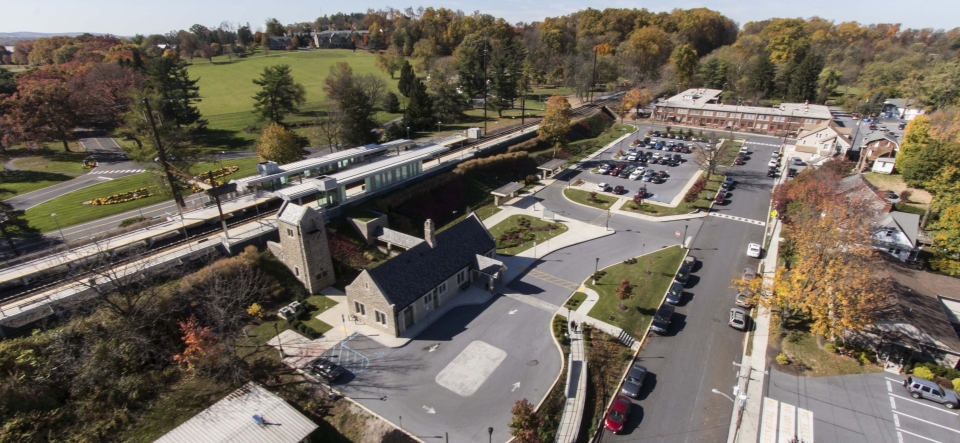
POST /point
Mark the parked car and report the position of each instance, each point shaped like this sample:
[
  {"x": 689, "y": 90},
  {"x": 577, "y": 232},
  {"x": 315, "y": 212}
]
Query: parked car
[
  {"x": 662, "y": 174},
  {"x": 739, "y": 160},
  {"x": 636, "y": 174},
  {"x": 727, "y": 183},
  {"x": 685, "y": 150},
  {"x": 624, "y": 173},
  {"x": 633, "y": 156},
  {"x": 673, "y": 162},
  {"x": 920, "y": 388},
  {"x": 677, "y": 157},
  {"x": 619, "y": 190},
  {"x": 748, "y": 274},
  {"x": 642, "y": 192},
  {"x": 753, "y": 250},
  {"x": 738, "y": 319},
  {"x": 902, "y": 125},
  {"x": 661, "y": 320},
  {"x": 690, "y": 260},
  {"x": 675, "y": 293},
  {"x": 775, "y": 154},
  {"x": 772, "y": 172},
  {"x": 656, "y": 155},
  {"x": 646, "y": 140},
  {"x": 773, "y": 163},
  {"x": 603, "y": 169},
  {"x": 602, "y": 187},
  {"x": 327, "y": 369},
  {"x": 634, "y": 381},
  {"x": 617, "y": 414},
  {"x": 792, "y": 172},
  {"x": 797, "y": 161},
  {"x": 721, "y": 197},
  {"x": 656, "y": 133}
]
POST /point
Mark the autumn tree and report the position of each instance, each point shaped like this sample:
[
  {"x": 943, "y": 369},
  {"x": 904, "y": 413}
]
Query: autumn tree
[
  {"x": 42, "y": 110},
  {"x": 708, "y": 157},
  {"x": 946, "y": 241},
  {"x": 685, "y": 58},
  {"x": 556, "y": 123},
  {"x": 425, "y": 54},
  {"x": 647, "y": 49},
  {"x": 279, "y": 94},
  {"x": 912, "y": 161},
  {"x": 624, "y": 290},
  {"x": 525, "y": 423},
  {"x": 278, "y": 144},
  {"x": 202, "y": 348},
  {"x": 389, "y": 61},
  {"x": 329, "y": 127}
]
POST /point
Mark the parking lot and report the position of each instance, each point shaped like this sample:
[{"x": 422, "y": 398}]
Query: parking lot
[
  {"x": 664, "y": 191},
  {"x": 866, "y": 408}
]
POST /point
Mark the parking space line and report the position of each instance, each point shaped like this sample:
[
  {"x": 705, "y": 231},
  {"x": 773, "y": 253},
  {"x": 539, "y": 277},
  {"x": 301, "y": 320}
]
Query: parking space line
[
  {"x": 889, "y": 386},
  {"x": 915, "y": 435},
  {"x": 893, "y": 403},
  {"x": 947, "y": 411},
  {"x": 927, "y": 422}
]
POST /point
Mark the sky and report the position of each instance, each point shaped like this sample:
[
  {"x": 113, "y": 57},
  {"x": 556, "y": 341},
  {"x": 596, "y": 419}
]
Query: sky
[{"x": 126, "y": 18}]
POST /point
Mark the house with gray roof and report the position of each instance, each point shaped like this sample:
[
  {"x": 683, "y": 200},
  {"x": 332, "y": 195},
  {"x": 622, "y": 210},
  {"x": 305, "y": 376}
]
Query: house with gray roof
[
  {"x": 340, "y": 39},
  {"x": 896, "y": 234},
  {"x": 407, "y": 289}
]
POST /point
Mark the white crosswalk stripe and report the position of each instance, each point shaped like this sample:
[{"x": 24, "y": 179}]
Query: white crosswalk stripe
[
  {"x": 763, "y": 144},
  {"x": 732, "y": 217},
  {"x": 120, "y": 171}
]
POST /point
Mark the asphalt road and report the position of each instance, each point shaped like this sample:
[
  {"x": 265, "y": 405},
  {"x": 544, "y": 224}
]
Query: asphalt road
[
  {"x": 697, "y": 353},
  {"x": 865, "y": 408}
]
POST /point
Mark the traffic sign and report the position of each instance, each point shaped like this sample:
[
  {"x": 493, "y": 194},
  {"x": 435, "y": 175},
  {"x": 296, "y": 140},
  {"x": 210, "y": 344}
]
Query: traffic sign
[
  {"x": 774, "y": 214},
  {"x": 678, "y": 233}
]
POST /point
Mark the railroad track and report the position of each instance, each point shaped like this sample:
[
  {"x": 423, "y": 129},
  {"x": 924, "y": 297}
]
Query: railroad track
[{"x": 55, "y": 280}]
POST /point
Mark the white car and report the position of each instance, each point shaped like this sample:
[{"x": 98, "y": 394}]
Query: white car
[
  {"x": 603, "y": 169},
  {"x": 603, "y": 187},
  {"x": 636, "y": 174},
  {"x": 632, "y": 156},
  {"x": 656, "y": 155},
  {"x": 775, "y": 154},
  {"x": 773, "y": 164},
  {"x": 753, "y": 250}
]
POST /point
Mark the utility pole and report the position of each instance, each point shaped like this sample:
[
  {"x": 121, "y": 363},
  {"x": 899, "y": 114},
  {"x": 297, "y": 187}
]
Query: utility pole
[
  {"x": 216, "y": 196},
  {"x": 174, "y": 187},
  {"x": 484, "y": 63}
]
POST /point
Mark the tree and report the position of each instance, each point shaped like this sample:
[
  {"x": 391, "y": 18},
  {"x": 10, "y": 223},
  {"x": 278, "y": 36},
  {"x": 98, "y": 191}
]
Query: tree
[
  {"x": 278, "y": 144},
  {"x": 178, "y": 92},
  {"x": 8, "y": 83},
  {"x": 425, "y": 54},
  {"x": 910, "y": 161},
  {"x": 506, "y": 67},
  {"x": 390, "y": 61},
  {"x": 279, "y": 95},
  {"x": 14, "y": 225},
  {"x": 202, "y": 348},
  {"x": 648, "y": 48},
  {"x": 357, "y": 124},
  {"x": 471, "y": 56},
  {"x": 685, "y": 58},
  {"x": 624, "y": 290},
  {"x": 829, "y": 80},
  {"x": 340, "y": 80},
  {"x": 556, "y": 123},
  {"x": 391, "y": 103},
  {"x": 274, "y": 28},
  {"x": 945, "y": 188},
  {"x": 407, "y": 77},
  {"x": 804, "y": 81},
  {"x": 419, "y": 113},
  {"x": 448, "y": 103},
  {"x": 709, "y": 159},
  {"x": 525, "y": 423},
  {"x": 43, "y": 109},
  {"x": 713, "y": 73},
  {"x": 760, "y": 76},
  {"x": 329, "y": 128},
  {"x": 947, "y": 241}
]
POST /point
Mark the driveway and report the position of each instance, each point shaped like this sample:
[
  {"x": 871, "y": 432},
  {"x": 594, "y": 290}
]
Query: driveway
[{"x": 865, "y": 408}]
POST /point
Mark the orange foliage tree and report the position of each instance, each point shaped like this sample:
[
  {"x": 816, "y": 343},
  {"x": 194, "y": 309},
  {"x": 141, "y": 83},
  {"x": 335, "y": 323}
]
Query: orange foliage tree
[{"x": 203, "y": 347}]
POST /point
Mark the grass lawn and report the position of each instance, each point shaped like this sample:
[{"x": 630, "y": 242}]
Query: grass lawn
[
  {"x": 806, "y": 355},
  {"x": 70, "y": 209},
  {"x": 583, "y": 197},
  {"x": 895, "y": 183},
  {"x": 648, "y": 291},
  {"x": 528, "y": 229},
  {"x": 14, "y": 183},
  {"x": 485, "y": 212},
  {"x": 730, "y": 154},
  {"x": 247, "y": 165},
  {"x": 702, "y": 203},
  {"x": 575, "y": 300},
  {"x": 588, "y": 146},
  {"x": 53, "y": 162}
]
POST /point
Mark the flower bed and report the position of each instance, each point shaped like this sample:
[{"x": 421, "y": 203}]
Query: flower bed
[{"x": 122, "y": 197}]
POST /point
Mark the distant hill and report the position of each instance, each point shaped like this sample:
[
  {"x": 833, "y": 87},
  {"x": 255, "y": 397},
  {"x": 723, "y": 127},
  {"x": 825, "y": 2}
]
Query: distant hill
[{"x": 12, "y": 38}]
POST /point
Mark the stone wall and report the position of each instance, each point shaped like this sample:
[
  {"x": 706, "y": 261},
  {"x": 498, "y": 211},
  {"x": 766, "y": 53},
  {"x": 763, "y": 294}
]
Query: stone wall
[
  {"x": 368, "y": 229},
  {"x": 364, "y": 290}
]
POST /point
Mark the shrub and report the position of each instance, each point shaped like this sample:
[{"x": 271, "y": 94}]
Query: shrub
[
  {"x": 626, "y": 355},
  {"x": 531, "y": 179},
  {"x": 593, "y": 196},
  {"x": 923, "y": 373},
  {"x": 577, "y": 182},
  {"x": 939, "y": 370},
  {"x": 905, "y": 195},
  {"x": 956, "y": 384},
  {"x": 943, "y": 382},
  {"x": 864, "y": 358},
  {"x": 625, "y": 290},
  {"x": 830, "y": 347},
  {"x": 131, "y": 220},
  {"x": 782, "y": 359}
]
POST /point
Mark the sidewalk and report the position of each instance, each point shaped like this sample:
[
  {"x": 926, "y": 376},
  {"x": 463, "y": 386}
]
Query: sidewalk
[{"x": 576, "y": 385}]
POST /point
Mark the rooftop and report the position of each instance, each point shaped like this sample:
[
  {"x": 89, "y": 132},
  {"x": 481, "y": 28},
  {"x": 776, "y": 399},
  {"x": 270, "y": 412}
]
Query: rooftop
[
  {"x": 552, "y": 164},
  {"x": 922, "y": 298},
  {"x": 507, "y": 189},
  {"x": 398, "y": 238},
  {"x": 411, "y": 274},
  {"x": 697, "y": 96},
  {"x": 311, "y": 163},
  {"x": 234, "y": 419},
  {"x": 905, "y": 222},
  {"x": 705, "y": 98},
  {"x": 876, "y": 136}
]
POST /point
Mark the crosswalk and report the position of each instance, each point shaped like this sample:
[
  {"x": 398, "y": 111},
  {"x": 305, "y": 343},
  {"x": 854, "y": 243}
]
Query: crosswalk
[
  {"x": 775, "y": 145},
  {"x": 566, "y": 284},
  {"x": 117, "y": 171},
  {"x": 733, "y": 217}
]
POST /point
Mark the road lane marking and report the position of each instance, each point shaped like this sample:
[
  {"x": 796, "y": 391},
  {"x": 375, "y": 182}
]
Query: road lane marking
[
  {"x": 896, "y": 420},
  {"x": 566, "y": 284},
  {"x": 742, "y": 219},
  {"x": 893, "y": 403},
  {"x": 535, "y": 302},
  {"x": 889, "y": 386},
  {"x": 915, "y": 435},
  {"x": 946, "y": 411},
  {"x": 927, "y": 422}
]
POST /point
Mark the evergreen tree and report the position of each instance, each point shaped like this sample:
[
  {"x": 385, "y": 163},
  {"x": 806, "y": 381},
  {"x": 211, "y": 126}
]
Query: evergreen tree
[
  {"x": 419, "y": 113},
  {"x": 391, "y": 103},
  {"x": 13, "y": 225},
  {"x": 470, "y": 56},
  {"x": 506, "y": 67},
  {"x": 713, "y": 73},
  {"x": 179, "y": 93},
  {"x": 761, "y": 75},
  {"x": 407, "y": 77},
  {"x": 805, "y": 79},
  {"x": 448, "y": 103},
  {"x": 279, "y": 95},
  {"x": 357, "y": 124}
]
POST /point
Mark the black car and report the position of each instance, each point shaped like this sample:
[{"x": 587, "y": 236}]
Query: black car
[
  {"x": 646, "y": 140},
  {"x": 772, "y": 172},
  {"x": 619, "y": 190},
  {"x": 662, "y": 174},
  {"x": 661, "y": 320},
  {"x": 673, "y": 162},
  {"x": 675, "y": 293},
  {"x": 683, "y": 274},
  {"x": 792, "y": 172},
  {"x": 325, "y": 368},
  {"x": 656, "y": 133},
  {"x": 677, "y": 157}
]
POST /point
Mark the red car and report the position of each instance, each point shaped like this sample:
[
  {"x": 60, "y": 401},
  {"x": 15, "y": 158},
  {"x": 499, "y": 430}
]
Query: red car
[
  {"x": 618, "y": 413},
  {"x": 721, "y": 197}
]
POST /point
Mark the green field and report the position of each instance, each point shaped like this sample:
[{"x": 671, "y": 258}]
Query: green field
[{"x": 583, "y": 197}]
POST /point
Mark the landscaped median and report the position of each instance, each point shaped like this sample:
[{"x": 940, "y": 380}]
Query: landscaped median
[
  {"x": 518, "y": 233},
  {"x": 649, "y": 275},
  {"x": 594, "y": 199},
  {"x": 702, "y": 201}
]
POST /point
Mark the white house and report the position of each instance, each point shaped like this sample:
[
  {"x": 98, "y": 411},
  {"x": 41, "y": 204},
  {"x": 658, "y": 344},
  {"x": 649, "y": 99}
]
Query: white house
[
  {"x": 896, "y": 234},
  {"x": 824, "y": 140},
  {"x": 884, "y": 165}
]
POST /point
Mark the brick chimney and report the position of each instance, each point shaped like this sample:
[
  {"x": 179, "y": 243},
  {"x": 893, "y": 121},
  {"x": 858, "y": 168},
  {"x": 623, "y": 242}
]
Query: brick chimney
[{"x": 429, "y": 233}]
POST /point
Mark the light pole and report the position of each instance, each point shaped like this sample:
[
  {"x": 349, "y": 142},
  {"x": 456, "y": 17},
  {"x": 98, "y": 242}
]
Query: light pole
[
  {"x": 408, "y": 133},
  {"x": 490, "y": 433},
  {"x": 62, "y": 237},
  {"x": 683, "y": 241},
  {"x": 135, "y": 200},
  {"x": 275, "y": 328},
  {"x": 220, "y": 157},
  {"x": 596, "y": 269},
  {"x": 438, "y": 128},
  {"x": 717, "y": 391}
]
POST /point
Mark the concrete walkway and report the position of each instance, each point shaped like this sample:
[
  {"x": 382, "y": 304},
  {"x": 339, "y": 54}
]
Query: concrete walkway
[
  {"x": 745, "y": 422},
  {"x": 576, "y": 392}
]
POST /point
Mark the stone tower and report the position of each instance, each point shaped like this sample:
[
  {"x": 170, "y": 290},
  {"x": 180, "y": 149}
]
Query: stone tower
[{"x": 303, "y": 246}]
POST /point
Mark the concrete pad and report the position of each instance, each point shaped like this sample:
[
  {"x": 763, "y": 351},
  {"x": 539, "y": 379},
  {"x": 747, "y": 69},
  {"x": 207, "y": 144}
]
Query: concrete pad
[{"x": 467, "y": 372}]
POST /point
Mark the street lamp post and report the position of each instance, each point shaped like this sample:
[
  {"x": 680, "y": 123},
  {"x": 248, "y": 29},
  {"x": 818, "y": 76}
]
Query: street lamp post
[
  {"x": 220, "y": 157},
  {"x": 408, "y": 133},
  {"x": 683, "y": 241},
  {"x": 137, "y": 201},
  {"x": 490, "y": 433},
  {"x": 62, "y": 237},
  {"x": 279, "y": 344},
  {"x": 438, "y": 127}
]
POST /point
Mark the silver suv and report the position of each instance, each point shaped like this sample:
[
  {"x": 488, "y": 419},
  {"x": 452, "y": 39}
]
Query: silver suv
[{"x": 920, "y": 388}]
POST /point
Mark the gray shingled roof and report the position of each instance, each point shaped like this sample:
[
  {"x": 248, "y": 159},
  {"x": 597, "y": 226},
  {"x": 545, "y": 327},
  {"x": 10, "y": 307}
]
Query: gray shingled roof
[
  {"x": 552, "y": 164},
  {"x": 410, "y": 275},
  {"x": 906, "y": 222},
  {"x": 399, "y": 239},
  {"x": 876, "y": 136},
  {"x": 918, "y": 294},
  {"x": 292, "y": 213},
  {"x": 487, "y": 265}
]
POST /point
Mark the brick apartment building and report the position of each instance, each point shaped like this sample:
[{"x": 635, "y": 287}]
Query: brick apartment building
[{"x": 702, "y": 107}]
